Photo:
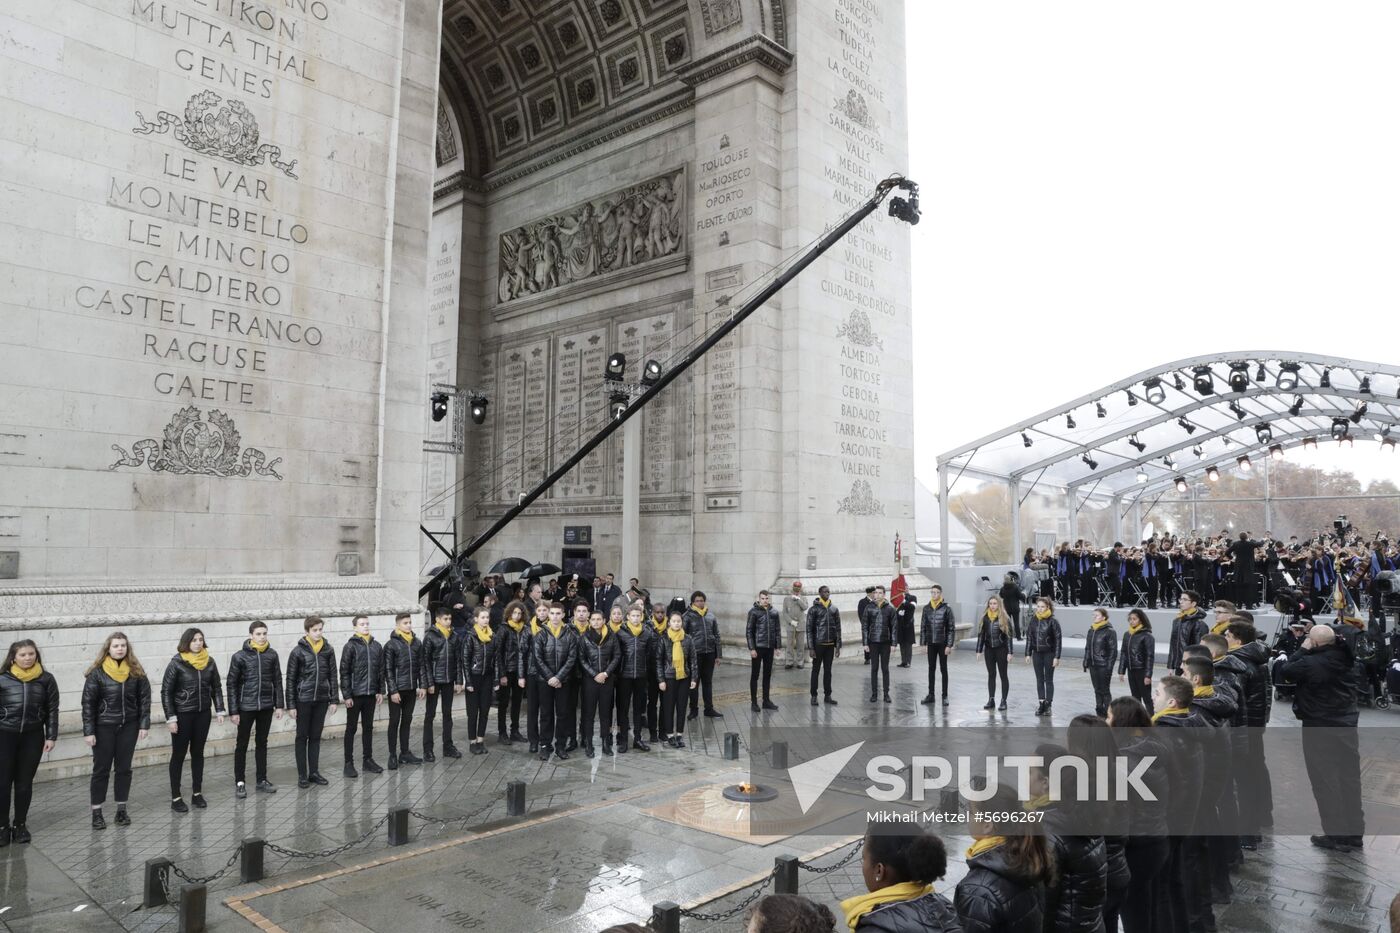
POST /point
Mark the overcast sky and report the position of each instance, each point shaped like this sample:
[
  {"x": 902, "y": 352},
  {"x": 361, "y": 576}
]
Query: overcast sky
[{"x": 1108, "y": 186}]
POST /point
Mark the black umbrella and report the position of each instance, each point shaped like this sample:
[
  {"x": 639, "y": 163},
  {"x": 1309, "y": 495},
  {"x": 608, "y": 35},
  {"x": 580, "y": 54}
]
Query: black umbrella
[
  {"x": 538, "y": 570},
  {"x": 509, "y": 565}
]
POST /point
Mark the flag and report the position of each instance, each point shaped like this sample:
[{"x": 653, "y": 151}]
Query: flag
[{"x": 898, "y": 585}]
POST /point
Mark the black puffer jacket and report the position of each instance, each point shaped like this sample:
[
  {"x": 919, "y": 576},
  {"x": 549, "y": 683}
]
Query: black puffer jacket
[
  {"x": 512, "y": 651},
  {"x": 361, "y": 668},
  {"x": 665, "y": 665},
  {"x": 994, "y": 897},
  {"x": 1324, "y": 684},
  {"x": 1257, "y": 696},
  {"x": 990, "y": 636},
  {"x": 108, "y": 703},
  {"x": 254, "y": 680},
  {"x": 478, "y": 657},
  {"x": 1101, "y": 648},
  {"x": 1186, "y": 631},
  {"x": 554, "y": 656},
  {"x": 1186, "y": 739},
  {"x": 1234, "y": 672},
  {"x": 705, "y": 631},
  {"x": 599, "y": 657},
  {"x": 33, "y": 705},
  {"x": 937, "y": 628},
  {"x": 310, "y": 674},
  {"x": 186, "y": 690},
  {"x": 823, "y": 625},
  {"x": 1044, "y": 635},
  {"x": 1139, "y": 652},
  {"x": 1119, "y": 874},
  {"x": 877, "y": 624},
  {"x": 1146, "y": 817},
  {"x": 763, "y": 629},
  {"x": 931, "y": 913},
  {"x": 1075, "y": 904},
  {"x": 637, "y": 652},
  {"x": 442, "y": 657},
  {"x": 403, "y": 665}
]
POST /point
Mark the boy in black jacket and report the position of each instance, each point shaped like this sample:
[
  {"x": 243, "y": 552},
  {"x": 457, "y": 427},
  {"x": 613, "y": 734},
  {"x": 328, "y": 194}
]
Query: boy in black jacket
[
  {"x": 362, "y": 690},
  {"x": 254, "y": 700},
  {"x": 442, "y": 671}
]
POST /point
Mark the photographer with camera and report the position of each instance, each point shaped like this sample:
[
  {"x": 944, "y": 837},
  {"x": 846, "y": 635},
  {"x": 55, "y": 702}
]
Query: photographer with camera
[{"x": 1322, "y": 674}]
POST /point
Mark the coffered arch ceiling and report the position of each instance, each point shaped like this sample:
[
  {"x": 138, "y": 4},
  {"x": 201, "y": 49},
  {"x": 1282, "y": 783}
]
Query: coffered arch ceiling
[{"x": 526, "y": 76}]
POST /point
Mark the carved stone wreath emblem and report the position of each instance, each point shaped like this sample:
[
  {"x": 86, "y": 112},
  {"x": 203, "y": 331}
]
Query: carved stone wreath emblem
[
  {"x": 192, "y": 445},
  {"x": 213, "y": 126},
  {"x": 855, "y": 109},
  {"x": 861, "y": 501},
  {"x": 858, "y": 330}
]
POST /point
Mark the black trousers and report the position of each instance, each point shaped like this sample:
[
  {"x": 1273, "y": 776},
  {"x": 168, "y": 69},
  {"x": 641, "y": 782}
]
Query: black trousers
[
  {"x": 597, "y": 705},
  {"x": 508, "y": 706},
  {"x": 1102, "y": 679},
  {"x": 937, "y": 661},
  {"x": 533, "y": 688},
  {"x": 478, "y": 705},
  {"x": 906, "y": 651},
  {"x": 706, "y": 664},
  {"x": 311, "y": 719},
  {"x": 879, "y": 661},
  {"x": 653, "y": 708},
  {"x": 763, "y": 663},
  {"x": 1147, "y": 862},
  {"x": 443, "y": 696},
  {"x": 1333, "y": 759},
  {"x": 1254, "y": 791},
  {"x": 1140, "y": 688},
  {"x": 673, "y": 700},
  {"x": 822, "y": 657},
  {"x": 573, "y": 707},
  {"x": 1043, "y": 662},
  {"x": 554, "y": 715},
  {"x": 1153, "y": 585},
  {"x": 401, "y": 721},
  {"x": 261, "y": 720},
  {"x": 20, "y": 754},
  {"x": 995, "y": 659},
  {"x": 115, "y": 745},
  {"x": 631, "y": 693},
  {"x": 192, "y": 729},
  {"x": 361, "y": 717}
]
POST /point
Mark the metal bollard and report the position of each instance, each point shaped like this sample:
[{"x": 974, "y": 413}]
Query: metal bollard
[
  {"x": 250, "y": 862},
  {"x": 157, "y": 877},
  {"x": 515, "y": 798},
  {"x": 666, "y": 917},
  {"x": 785, "y": 874},
  {"x": 398, "y": 826},
  {"x": 193, "y": 898},
  {"x": 731, "y": 746},
  {"x": 777, "y": 757}
]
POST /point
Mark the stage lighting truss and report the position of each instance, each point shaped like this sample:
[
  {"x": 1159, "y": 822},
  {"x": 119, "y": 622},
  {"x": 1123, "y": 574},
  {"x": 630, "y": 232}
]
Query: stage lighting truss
[{"x": 464, "y": 404}]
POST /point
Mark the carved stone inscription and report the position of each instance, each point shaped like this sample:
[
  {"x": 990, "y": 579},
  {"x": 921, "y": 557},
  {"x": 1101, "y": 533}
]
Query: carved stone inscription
[
  {"x": 622, "y": 230},
  {"x": 722, "y": 410},
  {"x": 580, "y": 406}
]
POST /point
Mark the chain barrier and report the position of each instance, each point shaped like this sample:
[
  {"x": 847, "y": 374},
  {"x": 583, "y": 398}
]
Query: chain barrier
[
  {"x": 206, "y": 879},
  {"x": 762, "y": 886},
  {"x": 448, "y": 820},
  {"x": 328, "y": 853},
  {"x": 859, "y": 844}
]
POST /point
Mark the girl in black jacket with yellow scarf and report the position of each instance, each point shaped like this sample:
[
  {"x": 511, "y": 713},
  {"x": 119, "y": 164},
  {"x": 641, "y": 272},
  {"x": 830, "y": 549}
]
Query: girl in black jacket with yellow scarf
[
  {"x": 28, "y": 730},
  {"x": 190, "y": 693},
  {"x": 899, "y": 871},
  {"x": 311, "y": 688},
  {"x": 1044, "y": 642},
  {"x": 116, "y": 714},
  {"x": 994, "y": 645},
  {"x": 1007, "y": 875},
  {"x": 479, "y": 671},
  {"x": 676, "y": 675}
]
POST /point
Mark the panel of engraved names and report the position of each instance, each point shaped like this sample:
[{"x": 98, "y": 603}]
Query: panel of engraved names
[
  {"x": 721, "y": 438},
  {"x": 480, "y": 458},
  {"x": 580, "y": 407},
  {"x": 510, "y": 384}
]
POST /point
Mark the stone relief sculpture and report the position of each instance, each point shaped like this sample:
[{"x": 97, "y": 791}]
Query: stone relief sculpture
[
  {"x": 861, "y": 501},
  {"x": 720, "y": 15},
  {"x": 859, "y": 331},
  {"x": 213, "y": 126},
  {"x": 855, "y": 108},
  {"x": 621, "y": 230},
  {"x": 192, "y": 445}
]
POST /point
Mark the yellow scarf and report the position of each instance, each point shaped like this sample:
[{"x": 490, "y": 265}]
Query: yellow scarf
[
  {"x": 1219, "y": 627},
  {"x": 517, "y": 626},
  {"x": 24, "y": 676},
  {"x": 934, "y": 603},
  {"x": 556, "y": 632},
  {"x": 196, "y": 661},
  {"x": 117, "y": 670},
  {"x": 700, "y": 612},
  {"x": 1038, "y": 803},
  {"x": 984, "y": 844},
  {"x": 993, "y": 615},
  {"x": 257, "y": 647},
  {"x": 406, "y": 636},
  {"x": 1134, "y": 628},
  {"x": 483, "y": 637},
  {"x": 446, "y": 632},
  {"x": 1184, "y": 613},
  {"x": 615, "y": 626},
  {"x": 636, "y": 630},
  {"x": 581, "y": 626},
  {"x": 363, "y": 638},
  {"x": 1098, "y": 625},
  {"x": 315, "y": 644},
  {"x": 535, "y": 626},
  {"x": 677, "y": 652},
  {"x": 1203, "y": 691},
  {"x": 1170, "y": 711},
  {"x": 862, "y": 904},
  {"x": 1042, "y": 615},
  {"x": 659, "y": 625}
]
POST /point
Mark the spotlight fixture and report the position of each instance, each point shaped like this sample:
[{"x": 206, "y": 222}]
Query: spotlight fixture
[
  {"x": 1239, "y": 377},
  {"x": 1100, "y": 410},
  {"x": 1276, "y": 451},
  {"x": 1297, "y": 406},
  {"x": 1226, "y": 440},
  {"x": 1213, "y": 474},
  {"x": 1168, "y": 462},
  {"x": 1261, "y": 373},
  {"x": 1339, "y": 428},
  {"x": 1199, "y": 451},
  {"x": 1326, "y": 381},
  {"x": 1264, "y": 433},
  {"x": 1141, "y": 476},
  {"x": 1178, "y": 382},
  {"x": 1203, "y": 380},
  {"x": 1243, "y": 461},
  {"x": 617, "y": 405},
  {"x": 1359, "y": 413},
  {"x": 1132, "y": 399},
  {"x": 1237, "y": 410},
  {"x": 1133, "y": 439},
  {"x": 1090, "y": 462},
  {"x": 1069, "y": 422},
  {"x": 651, "y": 372},
  {"x": 1026, "y": 439},
  {"x": 1186, "y": 426},
  {"x": 1181, "y": 484},
  {"x": 1156, "y": 393},
  {"x": 478, "y": 409},
  {"x": 1310, "y": 443},
  {"x": 617, "y": 365},
  {"x": 439, "y": 400},
  {"x": 1287, "y": 376},
  {"x": 1365, "y": 385}
]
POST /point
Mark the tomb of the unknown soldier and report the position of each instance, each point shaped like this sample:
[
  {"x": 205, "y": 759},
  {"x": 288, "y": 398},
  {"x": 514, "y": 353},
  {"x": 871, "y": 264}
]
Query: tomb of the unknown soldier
[{"x": 458, "y": 472}]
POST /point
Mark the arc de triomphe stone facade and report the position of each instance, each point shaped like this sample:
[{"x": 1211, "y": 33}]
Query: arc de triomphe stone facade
[{"x": 244, "y": 239}]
